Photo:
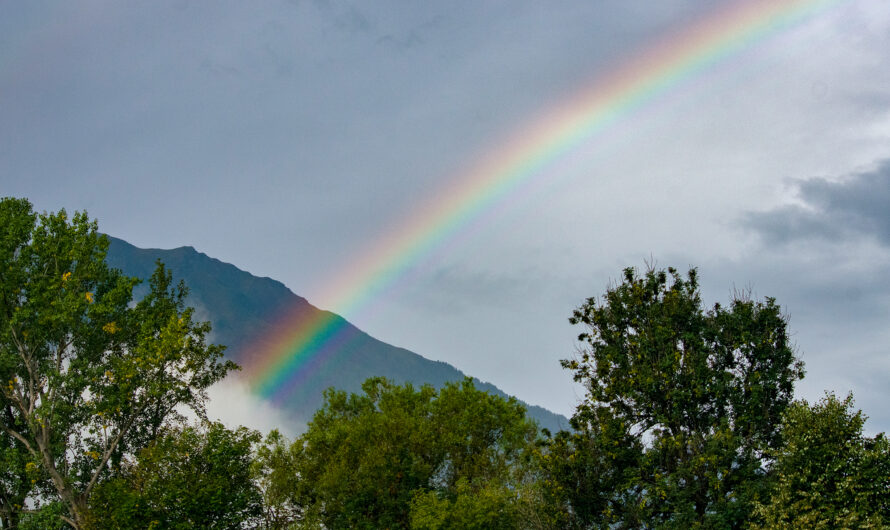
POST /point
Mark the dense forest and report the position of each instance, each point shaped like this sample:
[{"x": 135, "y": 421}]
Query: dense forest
[{"x": 689, "y": 419}]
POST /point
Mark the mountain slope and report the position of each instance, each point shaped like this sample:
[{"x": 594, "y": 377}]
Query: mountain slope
[{"x": 243, "y": 307}]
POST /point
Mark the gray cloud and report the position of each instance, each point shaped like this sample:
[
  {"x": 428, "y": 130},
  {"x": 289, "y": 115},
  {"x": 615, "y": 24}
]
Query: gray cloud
[
  {"x": 834, "y": 211},
  {"x": 826, "y": 261}
]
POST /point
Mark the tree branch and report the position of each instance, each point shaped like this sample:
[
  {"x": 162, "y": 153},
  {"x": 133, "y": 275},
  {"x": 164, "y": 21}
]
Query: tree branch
[
  {"x": 110, "y": 449},
  {"x": 19, "y": 437}
]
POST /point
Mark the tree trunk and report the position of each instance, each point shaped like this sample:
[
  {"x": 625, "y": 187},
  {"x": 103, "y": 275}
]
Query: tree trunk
[{"x": 79, "y": 513}]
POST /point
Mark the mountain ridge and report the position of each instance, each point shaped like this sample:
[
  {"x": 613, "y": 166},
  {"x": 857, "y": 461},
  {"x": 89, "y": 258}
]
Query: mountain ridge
[{"x": 242, "y": 309}]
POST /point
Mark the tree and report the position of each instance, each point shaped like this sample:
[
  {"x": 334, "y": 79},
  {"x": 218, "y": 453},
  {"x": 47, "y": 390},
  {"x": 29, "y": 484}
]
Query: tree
[
  {"x": 489, "y": 506},
  {"x": 828, "y": 475},
  {"x": 682, "y": 405},
  {"x": 366, "y": 456},
  {"x": 18, "y": 476},
  {"x": 48, "y": 516},
  {"x": 88, "y": 376},
  {"x": 187, "y": 478},
  {"x": 587, "y": 472},
  {"x": 16, "y": 468},
  {"x": 276, "y": 474}
]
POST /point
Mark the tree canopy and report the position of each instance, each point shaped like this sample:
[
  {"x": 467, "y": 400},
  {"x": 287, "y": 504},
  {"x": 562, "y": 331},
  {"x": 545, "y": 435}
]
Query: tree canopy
[
  {"x": 189, "y": 477},
  {"x": 682, "y": 404},
  {"x": 828, "y": 474},
  {"x": 366, "y": 457},
  {"x": 687, "y": 419},
  {"x": 88, "y": 375}
]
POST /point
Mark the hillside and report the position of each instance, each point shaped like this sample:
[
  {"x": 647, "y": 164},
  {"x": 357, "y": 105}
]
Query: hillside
[{"x": 242, "y": 307}]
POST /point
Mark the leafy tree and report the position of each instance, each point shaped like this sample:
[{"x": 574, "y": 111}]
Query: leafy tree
[
  {"x": 487, "y": 506},
  {"x": 365, "y": 457},
  {"x": 18, "y": 476},
  {"x": 87, "y": 376},
  {"x": 187, "y": 478},
  {"x": 16, "y": 467},
  {"x": 586, "y": 472},
  {"x": 828, "y": 474},
  {"x": 277, "y": 477},
  {"x": 48, "y": 516},
  {"x": 682, "y": 405}
]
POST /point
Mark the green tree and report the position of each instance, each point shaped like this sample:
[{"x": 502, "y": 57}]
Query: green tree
[
  {"x": 682, "y": 405},
  {"x": 489, "y": 506},
  {"x": 187, "y": 478},
  {"x": 586, "y": 473},
  {"x": 276, "y": 474},
  {"x": 17, "y": 469},
  {"x": 366, "y": 456},
  {"x": 88, "y": 377},
  {"x": 48, "y": 516},
  {"x": 828, "y": 475},
  {"x": 18, "y": 476}
]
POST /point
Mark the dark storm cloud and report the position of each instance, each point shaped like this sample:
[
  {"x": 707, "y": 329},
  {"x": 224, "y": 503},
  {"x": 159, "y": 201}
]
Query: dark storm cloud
[{"x": 833, "y": 211}]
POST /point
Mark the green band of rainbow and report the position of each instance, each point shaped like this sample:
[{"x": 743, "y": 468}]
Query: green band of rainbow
[{"x": 300, "y": 343}]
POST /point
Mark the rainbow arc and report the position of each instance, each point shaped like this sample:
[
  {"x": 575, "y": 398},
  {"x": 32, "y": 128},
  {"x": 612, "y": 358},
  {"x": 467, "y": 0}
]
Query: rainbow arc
[{"x": 301, "y": 342}]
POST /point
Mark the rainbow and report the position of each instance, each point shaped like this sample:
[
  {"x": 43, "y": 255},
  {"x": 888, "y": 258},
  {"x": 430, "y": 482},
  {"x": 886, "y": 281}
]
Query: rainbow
[{"x": 301, "y": 342}]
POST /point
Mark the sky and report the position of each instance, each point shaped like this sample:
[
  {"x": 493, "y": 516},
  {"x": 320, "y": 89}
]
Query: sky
[{"x": 293, "y": 138}]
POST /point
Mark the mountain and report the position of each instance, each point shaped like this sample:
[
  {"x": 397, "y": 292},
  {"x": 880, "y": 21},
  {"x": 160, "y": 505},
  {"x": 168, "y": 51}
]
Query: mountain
[{"x": 242, "y": 309}]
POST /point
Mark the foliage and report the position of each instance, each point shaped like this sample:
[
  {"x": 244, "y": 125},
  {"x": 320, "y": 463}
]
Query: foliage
[
  {"x": 587, "y": 472},
  {"x": 187, "y": 478},
  {"x": 828, "y": 474},
  {"x": 486, "y": 506},
  {"x": 682, "y": 405},
  {"x": 18, "y": 475},
  {"x": 88, "y": 377},
  {"x": 275, "y": 472},
  {"x": 365, "y": 457},
  {"x": 47, "y": 517},
  {"x": 687, "y": 420},
  {"x": 18, "y": 472}
]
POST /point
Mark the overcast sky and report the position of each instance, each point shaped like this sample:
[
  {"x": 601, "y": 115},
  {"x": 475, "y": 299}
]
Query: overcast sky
[{"x": 288, "y": 137}]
